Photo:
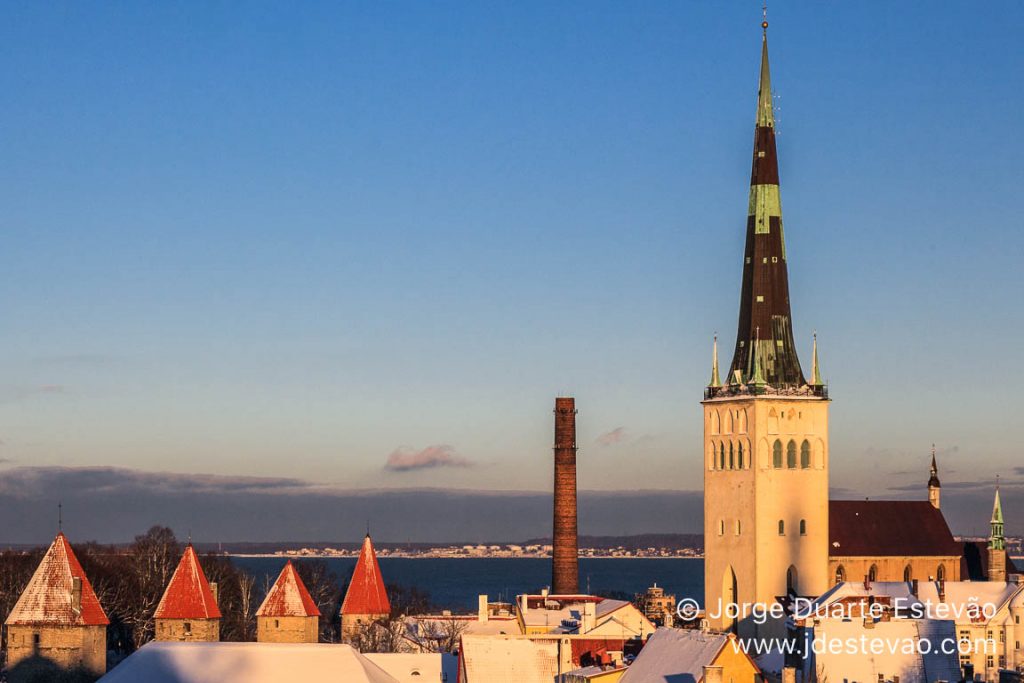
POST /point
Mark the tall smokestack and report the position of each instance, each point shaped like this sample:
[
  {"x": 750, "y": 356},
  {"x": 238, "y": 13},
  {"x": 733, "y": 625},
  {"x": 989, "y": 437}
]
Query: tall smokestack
[{"x": 565, "y": 577}]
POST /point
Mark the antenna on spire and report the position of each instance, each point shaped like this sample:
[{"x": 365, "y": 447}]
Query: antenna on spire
[{"x": 60, "y": 517}]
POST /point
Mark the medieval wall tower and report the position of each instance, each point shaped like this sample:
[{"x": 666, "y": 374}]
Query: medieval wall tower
[{"x": 765, "y": 426}]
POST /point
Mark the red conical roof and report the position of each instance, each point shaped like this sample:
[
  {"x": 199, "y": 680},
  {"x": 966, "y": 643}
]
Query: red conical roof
[
  {"x": 48, "y": 597},
  {"x": 188, "y": 595},
  {"x": 288, "y": 597},
  {"x": 366, "y": 593}
]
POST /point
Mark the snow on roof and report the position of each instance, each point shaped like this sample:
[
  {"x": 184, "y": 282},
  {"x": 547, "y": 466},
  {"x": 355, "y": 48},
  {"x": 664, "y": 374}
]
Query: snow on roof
[
  {"x": 48, "y": 598},
  {"x": 961, "y": 597},
  {"x": 288, "y": 597},
  {"x": 508, "y": 659},
  {"x": 607, "y": 606},
  {"x": 417, "y": 668},
  {"x": 188, "y": 595},
  {"x": 167, "y": 662},
  {"x": 867, "y": 663},
  {"x": 552, "y": 610},
  {"x": 366, "y": 593},
  {"x": 675, "y": 653}
]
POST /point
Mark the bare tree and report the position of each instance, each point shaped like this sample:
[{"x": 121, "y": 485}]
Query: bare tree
[
  {"x": 324, "y": 588},
  {"x": 442, "y": 635}
]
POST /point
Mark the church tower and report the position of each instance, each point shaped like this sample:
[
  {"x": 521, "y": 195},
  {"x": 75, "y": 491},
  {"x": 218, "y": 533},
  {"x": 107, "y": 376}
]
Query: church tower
[
  {"x": 997, "y": 543},
  {"x": 934, "y": 487},
  {"x": 765, "y": 426}
]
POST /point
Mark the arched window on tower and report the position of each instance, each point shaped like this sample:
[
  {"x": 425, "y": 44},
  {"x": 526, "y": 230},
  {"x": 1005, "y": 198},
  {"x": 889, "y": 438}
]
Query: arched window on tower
[
  {"x": 908, "y": 574},
  {"x": 873, "y": 573},
  {"x": 840, "y": 575},
  {"x": 805, "y": 454},
  {"x": 777, "y": 454},
  {"x": 791, "y": 455},
  {"x": 803, "y": 527},
  {"x": 940, "y": 573},
  {"x": 721, "y": 456},
  {"x": 732, "y": 460},
  {"x": 721, "y": 527},
  {"x": 791, "y": 578},
  {"x": 782, "y": 528},
  {"x": 739, "y": 459}
]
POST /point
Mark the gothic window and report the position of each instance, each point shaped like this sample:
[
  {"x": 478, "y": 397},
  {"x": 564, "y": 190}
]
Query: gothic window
[
  {"x": 791, "y": 455},
  {"x": 908, "y": 574},
  {"x": 791, "y": 579},
  {"x": 873, "y": 573},
  {"x": 803, "y": 527},
  {"x": 721, "y": 456},
  {"x": 777, "y": 454},
  {"x": 714, "y": 456},
  {"x": 732, "y": 461},
  {"x": 840, "y": 574},
  {"x": 714, "y": 422},
  {"x": 940, "y": 574},
  {"x": 805, "y": 454},
  {"x": 739, "y": 460},
  {"x": 782, "y": 528}
]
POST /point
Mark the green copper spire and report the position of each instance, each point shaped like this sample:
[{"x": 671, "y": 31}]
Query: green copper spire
[
  {"x": 996, "y": 540},
  {"x": 715, "y": 381},
  {"x": 815, "y": 369}
]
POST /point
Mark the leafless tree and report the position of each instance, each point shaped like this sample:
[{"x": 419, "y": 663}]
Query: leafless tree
[{"x": 442, "y": 635}]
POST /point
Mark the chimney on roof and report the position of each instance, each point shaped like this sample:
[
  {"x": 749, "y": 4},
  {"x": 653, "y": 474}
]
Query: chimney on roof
[
  {"x": 216, "y": 594},
  {"x": 76, "y": 595},
  {"x": 482, "y": 611},
  {"x": 565, "y": 543},
  {"x": 712, "y": 674}
]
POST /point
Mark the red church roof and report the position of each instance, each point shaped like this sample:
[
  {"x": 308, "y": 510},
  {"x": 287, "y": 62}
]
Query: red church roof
[
  {"x": 366, "y": 593},
  {"x": 188, "y": 595},
  {"x": 48, "y": 598},
  {"x": 288, "y": 597},
  {"x": 884, "y": 528}
]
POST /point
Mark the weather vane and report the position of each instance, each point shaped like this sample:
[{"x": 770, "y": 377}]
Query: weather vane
[{"x": 764, "y": 15}]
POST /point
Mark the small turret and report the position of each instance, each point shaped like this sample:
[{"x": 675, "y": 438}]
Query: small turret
[
  {"x": 715, "y": 381},
  {"x": 815, "y": 368},
  {"x": 934, "y": 487}
]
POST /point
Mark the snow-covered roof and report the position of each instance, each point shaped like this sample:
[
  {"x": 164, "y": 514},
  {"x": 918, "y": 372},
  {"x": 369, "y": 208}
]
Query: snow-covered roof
[
  {"x": 48, "y": 598},
  {"x": 188, "y": 595},
  {"x": 508, "y": 659},
  {"x": 366, "y": 593},
  {"x": 868, "y": 664},
  {"x": 551, "y": 611},
  {"x": 959, "y": 598},
  {"x": 417, "y": 668},
  {"x": 288, "y": 597},
  {"x": 673, "y": 653},
  {"x": 166, "y": 662}
]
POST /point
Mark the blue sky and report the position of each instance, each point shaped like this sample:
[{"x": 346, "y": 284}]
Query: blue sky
[{"x": 267, "y": 241}]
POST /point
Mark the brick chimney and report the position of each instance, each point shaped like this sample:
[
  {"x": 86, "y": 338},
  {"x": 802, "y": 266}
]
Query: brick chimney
[{"x": 565, "y": 553}]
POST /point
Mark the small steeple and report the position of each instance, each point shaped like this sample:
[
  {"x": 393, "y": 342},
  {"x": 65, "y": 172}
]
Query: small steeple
[
  {"x": 715, "y": 381},
  {"x": 934, "y": 487},
  {"x": 757, "y": 380},
  {"x": 815, "y": 368},
  {"x": 996, "y": 539}
]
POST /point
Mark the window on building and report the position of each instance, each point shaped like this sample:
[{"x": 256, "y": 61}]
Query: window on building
[
  {"x": 737, "y": 527},
  {"x": 277, "y": 623},
  {"x": 803, "y": 527},
  {"x": 908, "y": 574},
  {"x": 805, "y": 454},
  {"x": 873, "y": 573},
  {"x": 188, "y": 628},
  {"x": 721, "y": 457},
  {"x": 940, "y": 573},
  {"x": 782, "y": 528},
  {"x": 721, "y": 527},
  {"x": 739, "y": 459},
  {"x": 791, "y": 455},
  {"x": 732, "y": 461},
  {"x": 36, "y": 638},
  {"x": 840, "y": 574},
  {"x": 791, "y": 579},
  {"x": 777, "y": 454}
]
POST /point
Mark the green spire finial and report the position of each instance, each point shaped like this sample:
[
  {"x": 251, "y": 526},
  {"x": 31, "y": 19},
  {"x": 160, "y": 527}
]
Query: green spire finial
[
  {"x": 815, "y": 368},
  {"x": 715, "y": 381},
  {"x": 757, "y": 380}
]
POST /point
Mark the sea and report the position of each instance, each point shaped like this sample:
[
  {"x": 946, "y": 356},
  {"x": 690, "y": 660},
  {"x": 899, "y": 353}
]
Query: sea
[{"x": 454, "y": 583}]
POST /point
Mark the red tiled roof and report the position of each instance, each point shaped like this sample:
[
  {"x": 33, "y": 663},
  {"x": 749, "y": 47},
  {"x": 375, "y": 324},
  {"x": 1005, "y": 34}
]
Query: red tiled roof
[
  {"x": 288, "y": 597},
  {"x": 188, "y": 595},
  {"x": 885, "y": 528},
  {"x": 366, "y": 593},
  {"x": 47, "y": 599}
]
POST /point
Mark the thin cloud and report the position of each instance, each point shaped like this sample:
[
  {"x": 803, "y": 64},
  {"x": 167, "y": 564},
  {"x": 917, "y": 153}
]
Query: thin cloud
[
  {"x": 613, "y": 437},
  {"x": 440, "y": 455}
]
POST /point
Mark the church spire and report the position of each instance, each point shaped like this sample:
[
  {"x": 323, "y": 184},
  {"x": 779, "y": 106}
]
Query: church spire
[
  {"x": 996, "y": 539},
  {"x": 815, "y": 368},
  {"x": 934, "y": 487},
  {"x": 715, "y": 381},
  {"x": 764, "y": 296}
]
